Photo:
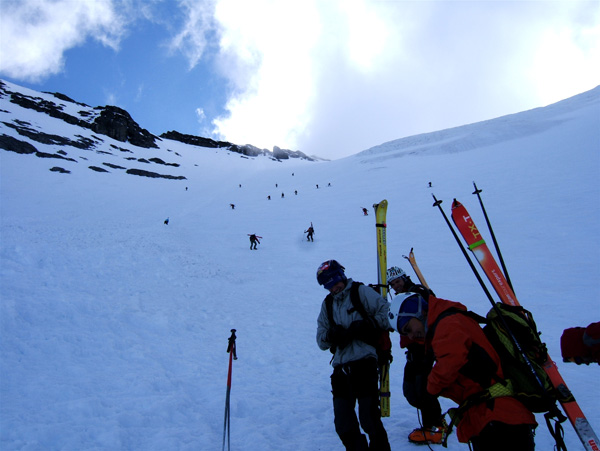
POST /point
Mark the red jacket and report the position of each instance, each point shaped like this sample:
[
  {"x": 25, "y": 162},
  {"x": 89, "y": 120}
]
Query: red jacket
[{"x": 454, "y": 336}]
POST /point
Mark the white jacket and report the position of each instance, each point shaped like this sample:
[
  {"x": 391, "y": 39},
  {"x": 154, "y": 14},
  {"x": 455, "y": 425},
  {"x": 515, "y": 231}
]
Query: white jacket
[{"x": 344, "y": 314}]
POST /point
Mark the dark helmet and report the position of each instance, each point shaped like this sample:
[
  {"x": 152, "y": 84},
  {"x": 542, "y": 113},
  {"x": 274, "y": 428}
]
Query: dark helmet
[{"x": 330, "y": 273}]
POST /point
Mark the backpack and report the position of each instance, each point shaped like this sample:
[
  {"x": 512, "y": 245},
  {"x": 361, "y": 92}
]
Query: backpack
[
  {"x": 536, "y": 392},
  {"x": 380, "y": 339},
  {"x": 531, "y": 385}
]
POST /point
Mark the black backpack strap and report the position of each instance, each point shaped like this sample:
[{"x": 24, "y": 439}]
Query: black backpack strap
[
  {"x": 479, "y": 367},
  {"x": 329, "y": 307},
  {"x": 354, "y": 298},
  {"x": 356, "y": 302},
  {"x": 451, "y": 311}
]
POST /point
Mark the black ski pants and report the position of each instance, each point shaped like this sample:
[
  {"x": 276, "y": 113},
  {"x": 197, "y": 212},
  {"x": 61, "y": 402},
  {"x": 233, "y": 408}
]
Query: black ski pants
[
  {"x": 358, "y": 382},
  {"x": 498, "y": 436},
  {"x": 414, "y": 387}
]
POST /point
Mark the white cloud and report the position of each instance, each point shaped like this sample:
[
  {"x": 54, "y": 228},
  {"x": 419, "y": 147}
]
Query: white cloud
[
  {"x": 333, "y": 77},
  {"x": 338, "y": 76},
  {"x": 200, "y": 115},
  {"x": 193, "y": 38},
  {"x": 35, "y": 34},
  {"x": 567, "y": 60}
]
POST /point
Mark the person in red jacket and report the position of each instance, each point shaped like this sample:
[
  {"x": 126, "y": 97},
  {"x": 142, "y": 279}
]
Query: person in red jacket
[
  {"x": 465, "y": 365},
  {"x": 581, "y": 345}
]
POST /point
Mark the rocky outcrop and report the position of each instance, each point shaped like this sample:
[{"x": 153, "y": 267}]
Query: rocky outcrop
[
  {"x": 15, "y": 145},
  {"x": 118, "y": 124},
  {"x": 43, "y": 106},
  {"x": 195, "y": 140},
  {"x": 154, "y": 175},
  {"x": 247, "y": 149},
  {"x": 111, "y": 120}
]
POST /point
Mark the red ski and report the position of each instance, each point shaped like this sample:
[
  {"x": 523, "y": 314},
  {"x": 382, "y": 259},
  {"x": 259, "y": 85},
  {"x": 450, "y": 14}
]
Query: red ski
[
  {"x": 470, "y": 233},
  {"x": 482, "y": 253}
]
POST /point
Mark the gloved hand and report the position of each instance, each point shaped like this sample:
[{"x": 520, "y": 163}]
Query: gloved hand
[
  {"x": 362, "y": 330},
  {"x": 339, "y": 336}
]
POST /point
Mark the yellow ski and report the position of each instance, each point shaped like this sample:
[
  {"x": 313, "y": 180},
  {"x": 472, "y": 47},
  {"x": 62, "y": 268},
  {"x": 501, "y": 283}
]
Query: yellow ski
[{"x": 381, "y": 227}]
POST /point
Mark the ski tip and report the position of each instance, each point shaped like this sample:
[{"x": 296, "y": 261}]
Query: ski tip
[{"x": 456, "y": 204}]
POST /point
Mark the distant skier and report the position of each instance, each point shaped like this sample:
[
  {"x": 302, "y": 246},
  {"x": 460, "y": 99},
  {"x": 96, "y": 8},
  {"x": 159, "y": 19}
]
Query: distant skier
[
  {"x": 269, "y": 197},
  {"x": 365, "y": 211},
  {"x": 429, "y": 184},
  {"x": 296, "y": 192},
  {"x": 254, "y": 240},
  {"x": 282, "y": 195},
  {"x": 232, "y": 206},
  {"x": 167, "y": 221},
  {"x": 310, "y": 231}
]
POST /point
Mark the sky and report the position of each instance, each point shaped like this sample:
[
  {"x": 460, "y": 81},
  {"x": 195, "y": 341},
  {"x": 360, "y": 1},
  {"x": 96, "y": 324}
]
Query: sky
[
  {"x": 114, "y": 326},
  {"x": 326, "y": 77}
]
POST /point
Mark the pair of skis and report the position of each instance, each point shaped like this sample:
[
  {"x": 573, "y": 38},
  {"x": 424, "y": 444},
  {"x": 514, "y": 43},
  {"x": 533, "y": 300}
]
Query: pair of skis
[
  {"x": 381, "y": 228},
  {"x": 501, "y": 284}
]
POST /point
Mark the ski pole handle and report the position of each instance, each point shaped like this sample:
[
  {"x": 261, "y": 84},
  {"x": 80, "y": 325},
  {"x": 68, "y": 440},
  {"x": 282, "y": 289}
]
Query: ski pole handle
[{"x": 231, "y": 348}]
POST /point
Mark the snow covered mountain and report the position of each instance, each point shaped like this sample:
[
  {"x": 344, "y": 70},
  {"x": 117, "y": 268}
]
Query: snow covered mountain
[
  {"x": 80, "y": 131},
  {"x": 114, "y": 326}
]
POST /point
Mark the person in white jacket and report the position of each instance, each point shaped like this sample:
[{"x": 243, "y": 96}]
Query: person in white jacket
[{"x": 355, "y": 376}]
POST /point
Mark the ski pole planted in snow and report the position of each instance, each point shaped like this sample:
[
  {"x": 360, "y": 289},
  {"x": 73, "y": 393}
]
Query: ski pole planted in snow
[{"x": 232, "y": 356}]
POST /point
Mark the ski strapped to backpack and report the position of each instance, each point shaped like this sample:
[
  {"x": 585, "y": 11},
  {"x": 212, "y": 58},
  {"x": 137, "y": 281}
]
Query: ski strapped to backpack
[
  {"x": 413, "y": 263},
  {"x": 536, "y": 394},
  {"x": 380, "y": 338},
  {"x": 477, "y": 245}
]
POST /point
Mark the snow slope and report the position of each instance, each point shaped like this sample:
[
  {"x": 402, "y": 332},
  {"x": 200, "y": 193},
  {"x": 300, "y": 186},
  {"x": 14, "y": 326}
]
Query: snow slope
[{"x": 114, "y": 326}]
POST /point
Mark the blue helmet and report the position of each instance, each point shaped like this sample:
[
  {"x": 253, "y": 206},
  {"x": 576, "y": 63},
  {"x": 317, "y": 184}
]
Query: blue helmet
[
  {"x": 404, "y": 307},
  {"x": 330, "y": 273}
]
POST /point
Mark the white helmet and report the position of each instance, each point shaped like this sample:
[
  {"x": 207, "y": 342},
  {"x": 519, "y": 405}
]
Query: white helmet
[
  {"x": 394, "y": 272},
  {"x": 414, "y": 307}
]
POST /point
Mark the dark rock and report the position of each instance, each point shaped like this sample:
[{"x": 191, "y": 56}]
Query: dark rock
[
  {"x": 114, "y": 166},
  {"x": 61, "y": 170},
  {"x": 47, "y": 107},
  {"x": 45, "y": 138},
  {"x": 194, "y": 140},
  {"x": 97, "y": 169},
  {"x": 15, "y": 145},
  {"x": 154, "y": 174},
  {"x": 53, "y": 155},
  {"x": 159, "y": 161},
  {"x": 118, "y": 124}
]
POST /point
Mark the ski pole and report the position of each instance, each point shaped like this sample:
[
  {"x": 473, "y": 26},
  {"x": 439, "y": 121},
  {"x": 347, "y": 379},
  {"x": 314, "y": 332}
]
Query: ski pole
[
  {"x": 231, "y": 350},
  {"x": 438, "y": 203},
  {"x": 489, "y": 224}
]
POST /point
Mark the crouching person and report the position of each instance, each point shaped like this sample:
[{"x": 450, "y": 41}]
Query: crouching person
[
  {"x": 466, "y": 365},
  {"x": 355, "y": 378}
]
